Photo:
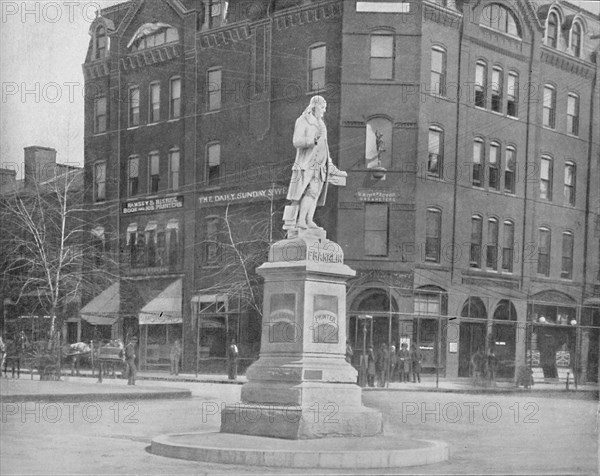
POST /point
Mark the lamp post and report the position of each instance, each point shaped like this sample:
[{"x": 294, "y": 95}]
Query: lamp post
[{"x": 364, "y": 361}]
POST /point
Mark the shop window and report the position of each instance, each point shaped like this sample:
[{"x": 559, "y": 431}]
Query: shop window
[
  {"x": 508, "y": 248},
  {"x": 500, "y": 18},
  {"x": 100, "y": 115},
  {"x": 544, "y": 241},
  {"x": 214, "y": 79},
  {"x": 549, "y": 107},
  {"x": 376, "y": 229},
  {"x": 510, "y": 164},
  {"x": 433, "y": 235},
  {"x": 382, "y": 56},
  {"x": 476, "y": 237},
  {"x": 100, "y": 181},
  {"x": 134, "y": 106},
  {"x": 480, "y": 84},
  {"x": 491, "y": 253},
  {"x": 378, "y": 142},
  {"x": 546, "y": 178},
  {"x": 435, "y": 160},
  {"x": 174, "y": 169},
  {"x": 213, "y": 167},
  {"x": 569, "y": 186},
  {"x": 154, "y": 103},
  {"x": 478, "y": 160},
  {"x": 316, "y": 68},
  {"x": 552, "y": 30},
  {"x": 512, "y": 95},
  {"x": 153, "y": 171},
  {"x": 438, "y": 71},
  {"x": 566, "y": 271},
  {"x": 175, "y": 98},
  {"x": 497, "y": 86},
  {"x": 494, "y": 166},
  {"x": 573, "y": 114},
  {"x": 133, "y": 175}
]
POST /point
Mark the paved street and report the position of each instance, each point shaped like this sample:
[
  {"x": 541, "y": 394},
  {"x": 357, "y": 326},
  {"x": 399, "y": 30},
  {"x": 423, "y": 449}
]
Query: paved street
[{"x": 488, "y": 434}]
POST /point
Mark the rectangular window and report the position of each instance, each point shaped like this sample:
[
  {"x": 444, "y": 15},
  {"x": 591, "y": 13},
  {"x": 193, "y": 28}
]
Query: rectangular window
[
  {"x": 175, "y": 98},
  {"x": 376, "y": 229},
  {"x": 134, "y": 106},
  {"x": 433, "y": 235},
  {"x": 213, "y": 171},
  {"x": 549, "y": 112},
  {"x": 382, "y": 57},
  {"x": 570, "y": 183},
  {"x": 316, "y": 70},
  {"x": 174, "y": 170},
  {"x": 491, "y": 261},
  {"x": 544, "y": 252},
  {"x": 573, "y": 114},
  {"x": 476, "y": 236},
  {"x": 214, "y": 90},
  {"x": 497, "y": 80},
  {"x": 512, "y": 95},
  {"x": 133, "y": 172},
  {"x": 546, "y": 179},
  {"x": 154, "y": 106},
  {"x": 477, "y": 163},
  {"x": 493, "y": 167},
  {"x": 100, "y": 182},
  {"x": 436, "y": 152},
  {"x": 566, "y": 271},
  {"x": 509, "y": 171},
  {"x": 480, "y": 84},
  {"x": 508, "y": 250},
  {"x": 438, "y": 71},
  {"x": 153, "y": 171},
  {"x": 100, "y": 115}
]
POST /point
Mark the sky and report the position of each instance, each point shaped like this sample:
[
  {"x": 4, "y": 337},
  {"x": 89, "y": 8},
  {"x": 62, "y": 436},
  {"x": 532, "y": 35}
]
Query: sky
[{"x": 42, "y": 46}]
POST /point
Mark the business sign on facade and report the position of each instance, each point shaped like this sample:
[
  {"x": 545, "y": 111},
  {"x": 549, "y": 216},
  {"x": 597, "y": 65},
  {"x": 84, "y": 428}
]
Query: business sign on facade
[
  {"x": 366, "y": 195},
  {"x": 153, "y": 205},
  {"x": 272, "y": 193}
]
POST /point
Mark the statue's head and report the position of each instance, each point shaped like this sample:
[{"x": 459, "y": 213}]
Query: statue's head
[{"x": 317, "y": 106}]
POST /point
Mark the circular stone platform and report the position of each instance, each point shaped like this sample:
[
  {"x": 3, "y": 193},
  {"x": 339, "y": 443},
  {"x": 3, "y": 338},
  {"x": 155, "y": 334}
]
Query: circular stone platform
[{"x": 387, "y": 451}]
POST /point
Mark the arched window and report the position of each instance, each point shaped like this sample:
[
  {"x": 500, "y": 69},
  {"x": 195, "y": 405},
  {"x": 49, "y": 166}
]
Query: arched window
[
  {"x": 549, "y": 106},
  {"x": 510, "y": 167},
  {"x": 573, "y": 114},
  {"x": 433, "y": 235},
  {"x": 552, "y": 30},
  {"x": 491, "y": 249},
  {"x": 150, "y": 35},
  {"x": 173, "y": 244},
  {"x": 512, "y": 94},
  {"x": 544, "y": 247},
  {"x": 378, "y": 142},
  {"x": 101, "y": 42},
  {"x": 435, "y": 161},
  {"x": 505, "y": 311},
  {"x": 438, "y": 70},
  {"x": 476, "y": 237},
  {"x": 500, "y": 18},
  {"x": 478, "y": 162},
  {"x": 569, "y": 185},
  {"x": 546, "y": 175},
  {"x": 150, "y": 233},
  {"x": 576, "y": 35},
  {"x": 508, "y": 246},
  {"x": 494, "y": 166},
  {"x": 474, "y": 308},
  {"x": 481, "y": 84},
  {"x": 566, "y": 270},
  {"x": 497, "y": 88}
]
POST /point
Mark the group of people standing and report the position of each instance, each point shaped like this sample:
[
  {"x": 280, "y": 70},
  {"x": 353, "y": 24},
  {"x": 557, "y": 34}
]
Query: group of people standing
[
  {"x": 483, "y": 367},
  {"x": 390, "y": 365}
]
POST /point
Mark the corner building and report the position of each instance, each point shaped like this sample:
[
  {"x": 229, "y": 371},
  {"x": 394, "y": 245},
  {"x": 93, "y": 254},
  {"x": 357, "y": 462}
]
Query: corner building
[{"x": 469, "y": 131}]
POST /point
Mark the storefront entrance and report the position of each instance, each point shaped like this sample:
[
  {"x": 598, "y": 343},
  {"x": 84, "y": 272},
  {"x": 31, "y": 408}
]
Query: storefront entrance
[
  {"x": 472, "y": 333},
  {"x": 504, "y": 338}
]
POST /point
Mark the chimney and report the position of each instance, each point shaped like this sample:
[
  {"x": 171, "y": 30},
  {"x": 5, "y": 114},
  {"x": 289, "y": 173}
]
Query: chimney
[
  {"x": 8, "y": 179},
  {"x": 40, "y": 164}
]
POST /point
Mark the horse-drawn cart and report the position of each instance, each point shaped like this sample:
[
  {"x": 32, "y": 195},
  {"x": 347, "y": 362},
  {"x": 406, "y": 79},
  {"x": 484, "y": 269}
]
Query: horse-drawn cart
[{"x": 110, "y": 356}]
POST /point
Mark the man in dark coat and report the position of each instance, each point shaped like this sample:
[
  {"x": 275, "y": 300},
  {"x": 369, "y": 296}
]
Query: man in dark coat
[{"x": 130, "y": 360}]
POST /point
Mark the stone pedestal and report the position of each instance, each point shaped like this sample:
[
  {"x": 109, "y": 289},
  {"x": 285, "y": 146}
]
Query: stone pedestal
[{"x": 301, "y": 386}]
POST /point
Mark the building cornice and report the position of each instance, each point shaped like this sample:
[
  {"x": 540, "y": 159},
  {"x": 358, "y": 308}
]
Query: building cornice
[{"x": 566, "y": 62}]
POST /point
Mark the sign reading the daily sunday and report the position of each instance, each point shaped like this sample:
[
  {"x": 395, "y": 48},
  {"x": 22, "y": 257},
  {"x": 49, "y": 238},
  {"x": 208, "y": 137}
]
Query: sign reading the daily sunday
[
  {"x": 272, "y": 193},
  {"x": 153, "y": 205}
]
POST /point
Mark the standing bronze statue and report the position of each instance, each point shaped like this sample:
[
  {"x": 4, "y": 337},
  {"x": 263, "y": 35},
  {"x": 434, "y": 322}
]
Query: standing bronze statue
[{"x": 313, "y": 169}]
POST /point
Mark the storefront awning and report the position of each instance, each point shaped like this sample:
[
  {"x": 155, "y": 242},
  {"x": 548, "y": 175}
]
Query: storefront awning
[
  {"x": 164, "y": 308},
  {"x": 103, "y": 310}
]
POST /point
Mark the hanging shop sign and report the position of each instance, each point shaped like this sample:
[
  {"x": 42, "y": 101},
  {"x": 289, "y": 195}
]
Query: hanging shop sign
[
  {"x": 153, "y": 205},
  {"x": 272, "y": 193}
]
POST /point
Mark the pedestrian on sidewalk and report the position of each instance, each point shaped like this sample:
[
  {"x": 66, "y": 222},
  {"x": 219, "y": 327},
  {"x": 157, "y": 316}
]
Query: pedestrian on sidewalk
[
  {"x": 415, "y": 360},
  {"x": 232, "y": 360},
  {"x": 371, "y": 369},
  {"x": 175, "y": 357},
  {"x": 382, "y": 363},
  {"x": 404, "y": 363},
  {"x": 477, "y": 366},
  {"x": 393, "y": 363},
  {"x": 130, "y": 360}
]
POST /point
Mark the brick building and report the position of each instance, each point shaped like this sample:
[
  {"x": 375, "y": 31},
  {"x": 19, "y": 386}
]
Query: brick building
[{"x": 469, "y": 131}]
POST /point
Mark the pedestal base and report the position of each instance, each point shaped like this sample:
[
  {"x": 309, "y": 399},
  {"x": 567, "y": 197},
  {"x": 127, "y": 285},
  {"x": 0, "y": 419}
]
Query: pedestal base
[{"x": 300, "y": 423}]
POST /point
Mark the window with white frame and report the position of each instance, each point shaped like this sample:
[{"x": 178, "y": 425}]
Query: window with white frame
[
  {"x": 508, "y": 248},
  {"x": 573, "y": 114},
  {"x": 100, "y": 115},
  {"x": 99, "y": 181},
  {"x": 497, "y": 87},
  {"x": 512, "y": 94},
  {"x": 435, "y": 161},
  {"x": 174, "y": 169},
  {"x": 569, "y": 185},
  {"x": 175, "y": 98},
  {"x": 478, "y": 161},
  {"x": 382, "y": 55},
  {"x": 133, "y": 176},
  {"x": 494, "y": 166},
  {"x": 549, "y": 107},
  {"x": 317, "y": 60},
  {"x": 510, "y": 167},
  {"x": 153, "y": 172},
  {"x": 544, "y": 241},
  {"x": 134, "y": 106},
  {"x": 546, "y": 178},
  {"x": 214, "y": 85},
  {"x": 476, "y": 238},
  {"x": 480, "y": 84},
  {"x": 438, "y": 70},
  {"x": 566, "y": 270},
  {"x": 491, "y": 252}
]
